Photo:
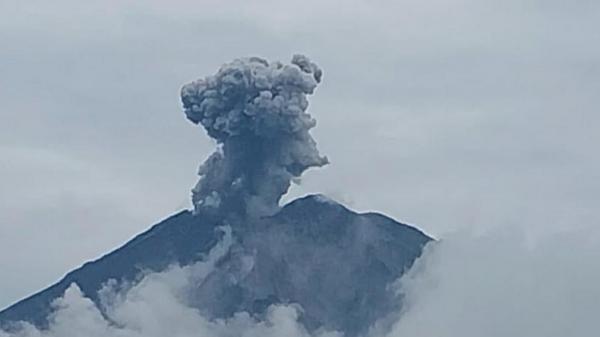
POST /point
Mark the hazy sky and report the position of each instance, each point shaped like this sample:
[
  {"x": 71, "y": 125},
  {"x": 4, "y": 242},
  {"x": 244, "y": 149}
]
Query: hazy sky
[{"x": 445, "y": 114}]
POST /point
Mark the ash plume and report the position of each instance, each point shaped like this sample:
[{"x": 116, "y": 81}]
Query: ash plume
[{"x": 256, "y": 111}]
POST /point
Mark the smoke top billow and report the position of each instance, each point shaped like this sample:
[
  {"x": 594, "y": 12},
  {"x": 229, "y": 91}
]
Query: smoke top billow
[{"x": 256, "y": 111}]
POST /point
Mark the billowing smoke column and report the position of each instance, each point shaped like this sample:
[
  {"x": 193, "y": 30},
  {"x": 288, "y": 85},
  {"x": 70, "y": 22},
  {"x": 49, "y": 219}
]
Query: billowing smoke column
[{"x": 256, "y": 111}]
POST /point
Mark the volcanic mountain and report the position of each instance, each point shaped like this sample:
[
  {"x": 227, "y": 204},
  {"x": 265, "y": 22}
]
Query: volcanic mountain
[{"x": 335, "y": 264}]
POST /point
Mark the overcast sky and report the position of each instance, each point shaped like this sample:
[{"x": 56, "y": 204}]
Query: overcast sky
[{"x": 444, "y": 114}]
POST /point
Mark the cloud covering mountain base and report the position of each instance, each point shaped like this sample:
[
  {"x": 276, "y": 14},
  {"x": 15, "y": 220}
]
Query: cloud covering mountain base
[
  {"x": 504, "y": 283},
  {"x": 501, "y": 283},
  {"x": 156, "y": 306}
]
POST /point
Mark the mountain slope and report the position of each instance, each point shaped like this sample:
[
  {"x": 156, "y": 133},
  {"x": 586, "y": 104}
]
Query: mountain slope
[{"x": 179, "y": 238}]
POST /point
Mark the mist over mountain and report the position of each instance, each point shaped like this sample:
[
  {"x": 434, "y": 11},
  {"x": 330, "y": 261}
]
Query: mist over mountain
[{"x": 239, "y": 257}]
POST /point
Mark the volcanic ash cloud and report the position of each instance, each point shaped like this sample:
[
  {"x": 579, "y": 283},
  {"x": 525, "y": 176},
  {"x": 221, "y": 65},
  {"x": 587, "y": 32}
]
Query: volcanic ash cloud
[{"x": 256, "y": 111}]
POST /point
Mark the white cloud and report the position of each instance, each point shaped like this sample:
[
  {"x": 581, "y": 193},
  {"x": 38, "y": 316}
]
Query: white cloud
[{"x": 504, "y": 283}]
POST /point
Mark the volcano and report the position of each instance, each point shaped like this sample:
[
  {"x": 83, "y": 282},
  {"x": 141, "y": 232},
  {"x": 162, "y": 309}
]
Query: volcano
[{"x": 335, "y": 264}]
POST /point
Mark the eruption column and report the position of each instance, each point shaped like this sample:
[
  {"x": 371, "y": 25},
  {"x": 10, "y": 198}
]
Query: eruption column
[{"x": 256, "y": 111}]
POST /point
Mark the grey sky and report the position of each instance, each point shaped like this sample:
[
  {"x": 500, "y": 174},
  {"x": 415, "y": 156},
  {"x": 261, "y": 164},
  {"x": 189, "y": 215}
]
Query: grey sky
[{"x": 446, "y": 114}]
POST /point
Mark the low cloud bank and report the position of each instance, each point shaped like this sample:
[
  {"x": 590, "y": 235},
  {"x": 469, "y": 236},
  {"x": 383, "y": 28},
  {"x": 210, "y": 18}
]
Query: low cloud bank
[{"x": 502, "y": 283}]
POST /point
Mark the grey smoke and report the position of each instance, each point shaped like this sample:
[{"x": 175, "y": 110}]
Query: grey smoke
[{"x": 256, "y": 111}]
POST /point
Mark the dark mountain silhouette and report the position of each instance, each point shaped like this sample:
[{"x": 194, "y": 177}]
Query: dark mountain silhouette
[{"x": 332, "y": 261}]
